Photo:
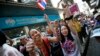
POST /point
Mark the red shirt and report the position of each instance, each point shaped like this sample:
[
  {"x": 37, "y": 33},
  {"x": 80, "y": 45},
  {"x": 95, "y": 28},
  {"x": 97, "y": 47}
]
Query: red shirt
[{"x": 45, "y": 49}]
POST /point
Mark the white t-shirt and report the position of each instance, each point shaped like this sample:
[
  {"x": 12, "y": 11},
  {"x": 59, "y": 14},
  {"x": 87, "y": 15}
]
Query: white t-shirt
[
  {"x": 7, "y": 50},
  {"x": 75, "y": 50}
]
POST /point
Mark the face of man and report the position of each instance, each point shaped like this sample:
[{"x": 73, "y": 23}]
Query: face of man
[
  {"x": 62, "y": 23},
  {"x": 23, "y": 41},
  {"x": 56, "y": 24},
  {"x": 48, "y": 30}
]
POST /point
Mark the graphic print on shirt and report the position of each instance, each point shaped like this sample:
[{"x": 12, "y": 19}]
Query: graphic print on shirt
[{"x": 69, "y": 46}]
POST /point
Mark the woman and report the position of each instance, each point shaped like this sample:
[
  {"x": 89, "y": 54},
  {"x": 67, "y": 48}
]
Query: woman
[
  {"x": 68, "y": 42},
  {"x": 69, "y": 45},
  {"x": 42, "y": 43},
  {"x": 66, "y": 39}
]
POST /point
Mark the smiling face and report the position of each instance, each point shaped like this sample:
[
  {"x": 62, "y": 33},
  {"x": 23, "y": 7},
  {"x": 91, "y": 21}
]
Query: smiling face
[
  {"x": 64, "y": 30},
  {"x": 36, "y": 36},
  {"x": 23, "y": 41}
]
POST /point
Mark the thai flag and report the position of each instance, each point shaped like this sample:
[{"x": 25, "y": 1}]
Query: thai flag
[{"x": 42, "y": 4}]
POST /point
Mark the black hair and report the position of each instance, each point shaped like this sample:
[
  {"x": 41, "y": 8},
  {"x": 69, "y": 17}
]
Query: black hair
[
  {"x": 69, "y": 18},
  {"x": 69, "y": 36},
  {"x": 95, "y": 11},
  {"x": 3, "y": 38}
]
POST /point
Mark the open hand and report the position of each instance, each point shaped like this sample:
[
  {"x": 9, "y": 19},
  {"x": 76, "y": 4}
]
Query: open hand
[{"x": 30, "y": 46}]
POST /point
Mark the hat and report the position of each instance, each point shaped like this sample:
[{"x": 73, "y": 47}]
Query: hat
[
  {"x": 96, "y": 15},
  {"x": 95, "y": 32}
]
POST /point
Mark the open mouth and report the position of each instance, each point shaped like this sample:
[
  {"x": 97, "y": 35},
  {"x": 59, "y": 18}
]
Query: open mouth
[{"x": 38, "y": 36}]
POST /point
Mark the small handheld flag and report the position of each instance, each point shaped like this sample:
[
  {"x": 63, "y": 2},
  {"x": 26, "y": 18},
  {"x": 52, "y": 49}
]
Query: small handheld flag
[{"x": 42, "y": 4}]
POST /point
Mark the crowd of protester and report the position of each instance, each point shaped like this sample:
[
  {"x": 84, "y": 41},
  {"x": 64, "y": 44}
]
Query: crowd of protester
[{"x": 61, "y": 37}]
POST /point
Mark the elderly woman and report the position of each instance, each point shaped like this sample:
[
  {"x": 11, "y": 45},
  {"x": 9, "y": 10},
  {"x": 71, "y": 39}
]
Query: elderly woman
[{"x": 41, "y": 42}]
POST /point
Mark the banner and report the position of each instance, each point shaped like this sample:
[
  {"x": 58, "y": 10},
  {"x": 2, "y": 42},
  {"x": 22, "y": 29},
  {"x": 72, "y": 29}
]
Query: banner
[
  {"x": 74, "y": 8},
  {"x": 10, "y": 22}
]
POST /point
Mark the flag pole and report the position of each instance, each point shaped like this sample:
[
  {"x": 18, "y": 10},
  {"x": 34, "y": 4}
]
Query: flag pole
[{"x": 44, "y": 12}]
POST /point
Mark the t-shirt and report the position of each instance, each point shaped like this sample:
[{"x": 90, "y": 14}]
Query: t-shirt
[
  {"x": 7, "y": 50},
  {"x": 70, "y": 48}
]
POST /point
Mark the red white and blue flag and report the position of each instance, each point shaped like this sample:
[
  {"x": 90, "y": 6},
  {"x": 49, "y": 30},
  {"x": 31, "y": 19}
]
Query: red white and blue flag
[{"x": 42, "y": 4}]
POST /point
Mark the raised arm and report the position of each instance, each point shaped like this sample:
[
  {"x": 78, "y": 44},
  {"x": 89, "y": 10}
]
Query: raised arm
[
  {"x": 54, "y": 30},
  {"x": 48, "y": 22},
  {"x": 59, "y": 3}
]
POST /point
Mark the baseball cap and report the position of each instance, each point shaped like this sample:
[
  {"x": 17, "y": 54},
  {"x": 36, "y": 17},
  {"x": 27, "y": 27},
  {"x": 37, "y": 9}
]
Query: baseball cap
[
  {"x": 95, "y": 32},
  {"x": 96, "y": 15}
]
